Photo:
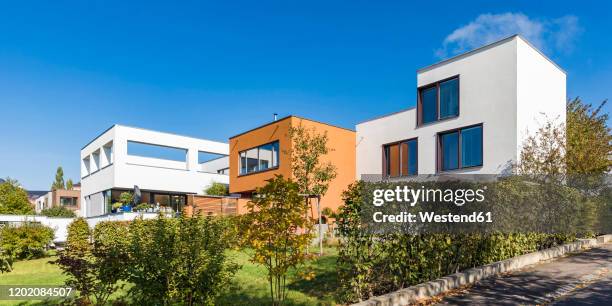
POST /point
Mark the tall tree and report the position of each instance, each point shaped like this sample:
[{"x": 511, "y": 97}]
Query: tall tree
[
  {"x": 14, "y": 199},
  {"x": 59, "y": 179},
  {"x": 583, "y": 145},
  {"x": 69, "y": 184},
  {"x": 589, "y": 139}
]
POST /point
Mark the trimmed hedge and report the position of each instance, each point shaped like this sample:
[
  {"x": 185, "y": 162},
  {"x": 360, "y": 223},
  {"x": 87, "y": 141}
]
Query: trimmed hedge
[{"x": 374, "y": 264}]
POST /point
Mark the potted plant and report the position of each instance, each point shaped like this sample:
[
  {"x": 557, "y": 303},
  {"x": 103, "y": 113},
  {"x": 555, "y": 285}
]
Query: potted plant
[
  {"x": 116, "y": 207},
  {"x": 126, "y": 198},
  {"x": 142, "y": 207}
]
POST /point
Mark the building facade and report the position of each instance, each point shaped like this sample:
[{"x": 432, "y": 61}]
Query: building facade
[
  {"x": 164, "y": 167},
  {"x": 70, "y": 199},
  {"x": 261, "y": 153},
  {"x": 472, "y": 115}
]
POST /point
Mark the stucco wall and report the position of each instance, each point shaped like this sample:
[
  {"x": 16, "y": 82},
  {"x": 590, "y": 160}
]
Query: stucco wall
[{"x": 487, "y": 94}]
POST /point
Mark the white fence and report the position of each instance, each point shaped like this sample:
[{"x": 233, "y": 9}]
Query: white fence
[{"x": 60, "y": 225}]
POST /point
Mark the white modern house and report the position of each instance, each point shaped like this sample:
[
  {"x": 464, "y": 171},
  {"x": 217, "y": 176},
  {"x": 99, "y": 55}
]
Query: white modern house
[
  {"x": 165, "y": 168},
  {"x": 472, "y": 114}
]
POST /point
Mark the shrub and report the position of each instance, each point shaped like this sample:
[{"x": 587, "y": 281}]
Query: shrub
[
  {"x": 217, "y": 189},
  {"x": 26, "y": 241},
  {"x": 142, "y": 207},
  {"x": 182, "y": 260},
  {"x": 6, "y": 261},
  {"x": 372, "y": 264},
  {"x": 58, "y": 211},
  {"x": 95, "y": 270}
]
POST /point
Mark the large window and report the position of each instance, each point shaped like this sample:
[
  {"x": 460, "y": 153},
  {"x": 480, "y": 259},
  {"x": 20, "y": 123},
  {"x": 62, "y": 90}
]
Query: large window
[
  {"x": 68, "y": 201},
  {"x": 438, "y": 101},
  {"x": 259, "y": 158},
  {"x": 461, "y": 148},
  {"x": 401, "y": 158}
]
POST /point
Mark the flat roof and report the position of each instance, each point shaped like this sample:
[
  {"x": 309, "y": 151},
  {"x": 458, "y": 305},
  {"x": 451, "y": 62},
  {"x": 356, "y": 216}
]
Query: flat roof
[
  {"x": 486, "y": 47},
  {"x": 285, "y": 118},
  {"x": 388, "y": 115},
  {"x": 139, "y": 128}
]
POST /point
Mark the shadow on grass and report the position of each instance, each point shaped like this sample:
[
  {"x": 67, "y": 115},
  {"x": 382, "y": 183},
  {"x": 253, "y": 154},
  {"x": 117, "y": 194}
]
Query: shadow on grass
[{"x": 323, "y": 285}]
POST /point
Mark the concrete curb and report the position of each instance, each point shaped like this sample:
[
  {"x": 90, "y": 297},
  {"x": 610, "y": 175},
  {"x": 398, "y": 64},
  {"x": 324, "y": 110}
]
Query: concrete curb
[{"x": 412, "y": 294}]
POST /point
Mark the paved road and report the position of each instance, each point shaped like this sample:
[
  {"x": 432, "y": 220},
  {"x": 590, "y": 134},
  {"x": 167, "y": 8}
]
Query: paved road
[{"x": 581, "y": 279}]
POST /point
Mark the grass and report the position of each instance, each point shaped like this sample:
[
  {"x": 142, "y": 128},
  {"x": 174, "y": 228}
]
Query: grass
[{"x": 250, "y": 282}]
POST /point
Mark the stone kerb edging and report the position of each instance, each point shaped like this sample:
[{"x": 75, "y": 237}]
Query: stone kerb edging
[{"x": 412, "y": 294}]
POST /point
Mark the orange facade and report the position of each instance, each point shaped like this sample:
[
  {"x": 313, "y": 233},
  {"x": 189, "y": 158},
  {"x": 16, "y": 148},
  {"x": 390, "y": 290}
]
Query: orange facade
[{"x": 341, "y": 141}]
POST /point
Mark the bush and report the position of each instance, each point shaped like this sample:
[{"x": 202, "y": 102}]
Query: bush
[
  {"x": 217, "y": 189},
  {"x": 372, "y": 264},
  {"x": 169, "y": 261},
  {"x": 94, "y": 270},
  {"x": 181, "y": 260},
  {"x": 27, "y": 241},
  {"x": 6, "y": 261},
  {"x": 58, "y": 211}
]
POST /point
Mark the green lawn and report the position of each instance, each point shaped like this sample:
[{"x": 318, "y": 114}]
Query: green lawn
[{"x": 250, "y": 288}]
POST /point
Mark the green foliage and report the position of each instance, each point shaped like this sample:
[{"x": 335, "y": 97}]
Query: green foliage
[
  {"x": 26, "y": 241},
  {"x": 14, "y": 199},
  {"x": 589, "y": 139},
  {"x": 58, "y": 211},
  {"x": 181, "y": 261},
  {"x": 6, "y": 261},
  {"x": 142, "y": 207},
  {"x": 94, "y": 270},
  {"x": 59, "y": 180},
  {"x": 217, "y": 189},
  {"x": 117, "y": 205},
  {"x": 126, "y": 198},
  {"x": 69, "y": 184},
  {"x": 310, "y": 173},
  {"x": 374, "y": 264},
  {"x": 273, "y": 229}
]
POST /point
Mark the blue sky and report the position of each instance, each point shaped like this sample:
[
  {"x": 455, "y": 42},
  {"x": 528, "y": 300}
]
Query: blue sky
[{"x": 69, "y": 70}]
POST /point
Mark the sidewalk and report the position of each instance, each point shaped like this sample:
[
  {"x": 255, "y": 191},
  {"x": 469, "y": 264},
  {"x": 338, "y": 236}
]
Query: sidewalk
[{"x": 584, "y": 278}]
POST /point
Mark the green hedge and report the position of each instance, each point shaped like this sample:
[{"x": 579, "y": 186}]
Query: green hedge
[
  {"x": 375, "y": 264},
  {"x": 168, "y": 260},
  {"x": 58, "y": 211}
]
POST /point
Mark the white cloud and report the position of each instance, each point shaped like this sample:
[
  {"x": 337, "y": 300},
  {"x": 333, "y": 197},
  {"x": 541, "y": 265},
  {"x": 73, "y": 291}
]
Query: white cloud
[{"x": 549, "y": 35}]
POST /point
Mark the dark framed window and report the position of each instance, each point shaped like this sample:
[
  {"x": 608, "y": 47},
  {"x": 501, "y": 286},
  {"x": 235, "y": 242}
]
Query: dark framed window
[
  {"x": 460, "y": 148},
  {"x": 400, "y": 158},
  {"x": 260, "y": 158},
  {"x": 438, "y": 101}
]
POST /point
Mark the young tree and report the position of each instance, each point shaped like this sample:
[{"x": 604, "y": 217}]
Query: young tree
[
  {"x": 14, "y": 199},
  {"x": 311, "y": 174},
  {"x": 216, "y": 189},
  {"x": 69, "y": 184},
  {"x": 59, "y": 179},
  {"x": 275, "y": 216}
]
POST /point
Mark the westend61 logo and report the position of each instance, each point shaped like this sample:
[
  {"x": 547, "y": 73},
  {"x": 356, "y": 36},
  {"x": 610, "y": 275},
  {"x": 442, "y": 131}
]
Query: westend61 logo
[{"x": 411, "y": 196}]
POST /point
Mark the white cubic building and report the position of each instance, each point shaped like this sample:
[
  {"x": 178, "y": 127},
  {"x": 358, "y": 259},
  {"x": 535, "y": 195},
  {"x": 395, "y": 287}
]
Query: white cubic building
[
  {"x": 473, "y": 113},
  {"x": 165, "y": 167}
]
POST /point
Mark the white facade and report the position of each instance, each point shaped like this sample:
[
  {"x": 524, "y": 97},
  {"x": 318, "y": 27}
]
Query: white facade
[
  {"x": 509, "y": 87},
  {"x": 106, "y": 165}
]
